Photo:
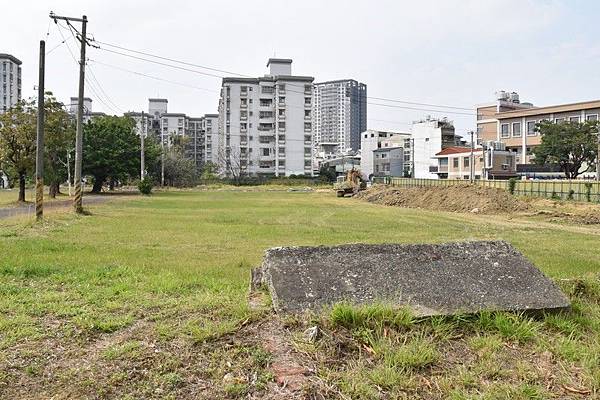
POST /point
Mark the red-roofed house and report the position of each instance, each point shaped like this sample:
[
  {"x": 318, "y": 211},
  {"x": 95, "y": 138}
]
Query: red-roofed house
[{"x": 455, "y": 162}]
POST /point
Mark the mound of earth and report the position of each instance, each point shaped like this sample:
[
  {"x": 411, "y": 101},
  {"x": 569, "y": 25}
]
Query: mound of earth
[{"x": 456, "y": 198}]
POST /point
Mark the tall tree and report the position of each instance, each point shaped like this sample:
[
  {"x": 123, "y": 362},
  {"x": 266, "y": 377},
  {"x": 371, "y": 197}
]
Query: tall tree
[
  {"x": 17, "y": 142},
  {"x": 59, "y": 143},
  {"x": 109, "y": 149},
  {"x": 571, "y": 145}
]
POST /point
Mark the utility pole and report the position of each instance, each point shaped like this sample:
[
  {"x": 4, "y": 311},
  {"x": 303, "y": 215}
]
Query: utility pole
[
  {"x": 39, "y": 151},
  {"x": 472, "y": 161},
  {"x": 142, "y": 155},
  {"x": 162, "y": 162},
  {"x": 77, "y": 201}
]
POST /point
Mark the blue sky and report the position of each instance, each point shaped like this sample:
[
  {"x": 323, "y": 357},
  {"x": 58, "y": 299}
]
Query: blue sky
[{"x": 442, "y": 52}]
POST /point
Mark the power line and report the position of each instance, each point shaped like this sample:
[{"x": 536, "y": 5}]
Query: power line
[
  {"x": 243, "y": 75},
  {"x": 161, "y": 63},
  {"x": 110, "y": 108},
  {"x": 102, "y": 90},
  {"x": 170, "y": 59},
  {"x": 153, "y": 77},
  {"x": 421, "y": 109},
  {"x": 419, "y": 104}
]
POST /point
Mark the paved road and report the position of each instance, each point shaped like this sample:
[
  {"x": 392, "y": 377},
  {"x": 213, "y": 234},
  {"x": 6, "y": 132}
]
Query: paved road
[{"x": 29, "y": 209}]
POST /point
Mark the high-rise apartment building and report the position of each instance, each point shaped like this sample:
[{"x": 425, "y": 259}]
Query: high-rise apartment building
[
  {"x": 10, "y": 81},
  {"x": 339, "y": 116},
  {"x": 210, "y": 129},
  {"x": 265, "y": 123}
]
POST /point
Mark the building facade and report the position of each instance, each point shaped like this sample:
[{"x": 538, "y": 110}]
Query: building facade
[
  {"x": 372, "y": 140},
  {"x": 10, "y": 81},
  {"x": 88, "y": 113},
  {"x": 429, "y": 137},
  {"x": 491, "y": 163},
  {"x": 210, "y": 129},
  {"x": 265, "y": 123},
  {"x": 339, "y": 116},
  {"x": 388, "y": 161}
]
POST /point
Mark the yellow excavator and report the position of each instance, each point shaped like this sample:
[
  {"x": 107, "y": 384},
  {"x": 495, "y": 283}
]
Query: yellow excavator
[{"x": 352, "y": 184}]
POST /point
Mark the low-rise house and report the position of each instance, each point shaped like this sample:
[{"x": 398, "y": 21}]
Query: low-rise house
[
  {"x": 388, "y": 161},
  {"x": 457, "y": 162}
]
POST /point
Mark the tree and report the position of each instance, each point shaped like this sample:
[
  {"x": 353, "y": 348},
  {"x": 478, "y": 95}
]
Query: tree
[
  {"x": 59, "y": 144},
  {"x": 327, "y": 174},
  {"x": 180, "y": 171},
  {"x": 111, "y": 150},
  {"x": 572, "y": 145},
  {"x": 17, "y": 142},
  {"x": 209, "y": 171}
]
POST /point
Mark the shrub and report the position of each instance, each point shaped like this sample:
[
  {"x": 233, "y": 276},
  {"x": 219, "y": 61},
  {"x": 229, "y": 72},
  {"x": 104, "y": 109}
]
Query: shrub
[
  {"x": 512, "y": 183},
  {"x": 145, "y": 186},
  {"x": 555, "y": 196},
  {"x": 570, "y": 195}
]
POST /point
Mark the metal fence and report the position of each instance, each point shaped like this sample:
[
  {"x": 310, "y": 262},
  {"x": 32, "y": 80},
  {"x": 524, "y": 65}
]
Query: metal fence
[{"x": 563, "y": 189}]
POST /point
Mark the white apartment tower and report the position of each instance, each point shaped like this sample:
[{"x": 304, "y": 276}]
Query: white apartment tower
[
  {"x": 339, "y": 116},
  {"x": 10, "y": 81},
  {"x": 265, "y": 123}
]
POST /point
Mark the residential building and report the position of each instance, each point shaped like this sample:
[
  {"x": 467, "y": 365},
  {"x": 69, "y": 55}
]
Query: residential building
[
  {"x": 492, "y": 163},
  {"x": 88, "y": 114},
  {"x": 210, "y": 129},
  {"x": 143, "y": 122},
  {"x": 516, "y": 128},
  {"x": 339, "y": 116},
  {"x": 430, "y": 136},
  {"x": 10, "y": 81},
  {"x": 372, "y": 140},
  {"x": 388, "y": 161},
  {"x": 265, "y": 123},
  {"x": 199, "y": 134}
]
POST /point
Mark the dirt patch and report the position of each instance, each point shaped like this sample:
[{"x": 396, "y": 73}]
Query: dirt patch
[{"x": 458, "y": 198}]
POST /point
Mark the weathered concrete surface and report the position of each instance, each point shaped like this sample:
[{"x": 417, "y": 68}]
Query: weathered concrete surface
[{"x": 429, "y": 278}]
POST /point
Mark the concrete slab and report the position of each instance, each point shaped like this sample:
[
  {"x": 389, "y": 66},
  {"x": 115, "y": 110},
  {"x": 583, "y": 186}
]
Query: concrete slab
[{"x": 429, "y": 278}]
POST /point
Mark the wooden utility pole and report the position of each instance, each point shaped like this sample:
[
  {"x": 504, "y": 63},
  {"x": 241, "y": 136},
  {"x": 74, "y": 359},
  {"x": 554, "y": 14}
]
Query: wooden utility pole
[
  {"x": 77, "y": 201},
  {"x": 39, "y": 151},
  {"x": 142, "y": 155}
]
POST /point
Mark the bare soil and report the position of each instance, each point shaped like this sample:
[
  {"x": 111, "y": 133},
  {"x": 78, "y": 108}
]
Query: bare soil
[{"x": 459, "y": 198}]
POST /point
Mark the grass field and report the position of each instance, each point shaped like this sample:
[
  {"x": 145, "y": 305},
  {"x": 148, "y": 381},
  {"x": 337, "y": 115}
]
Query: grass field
[{"x": 147, "y": 298}]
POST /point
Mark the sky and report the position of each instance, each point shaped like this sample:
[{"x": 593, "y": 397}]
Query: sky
[{"x": 450, "y": 53}]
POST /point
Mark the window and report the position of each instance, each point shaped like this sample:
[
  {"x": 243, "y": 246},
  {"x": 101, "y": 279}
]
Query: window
[
  {"x": 466, "y": 162},
  {"x": 592, "y": 117},
  {"x": 281, "y": 126},
  {"x": 504, "y": 131},
  {"x": 384, "y": 155},
  {"x": 307, "y": 100},
  {"x": 455, "y": 162},
  {"x": 516, "y": 129},
  {"x": 265, "y": 152},
  {"x": 574, "y": 120},
  {"x": 558, "y": 120},
  {"x": 531, "y": 128}
]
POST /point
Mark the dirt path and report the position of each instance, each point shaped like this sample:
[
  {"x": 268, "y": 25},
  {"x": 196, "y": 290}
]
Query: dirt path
[{"x": 29, "y": 208}]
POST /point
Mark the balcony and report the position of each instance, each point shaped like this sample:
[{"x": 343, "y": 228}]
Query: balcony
[
  {"x": 242, "y": 105},
  {"x": 243, "y": 117},
  {"x": 308, "y": 106},
  {"x": 270, "y": 157},
  {"x": 244, "y": 93},
  {"x": 307, "y": 118},
  {"x": 442, "y": 169},
  {"x": 281, "y": 117}
]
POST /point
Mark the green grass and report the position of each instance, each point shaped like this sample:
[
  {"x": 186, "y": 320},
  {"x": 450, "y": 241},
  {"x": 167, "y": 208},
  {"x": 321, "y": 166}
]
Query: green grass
[{"x": 147, "y": 298}]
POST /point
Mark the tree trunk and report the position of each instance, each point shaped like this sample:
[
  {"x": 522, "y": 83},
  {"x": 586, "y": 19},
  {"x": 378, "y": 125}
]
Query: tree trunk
[
  {"x": 53, "y": 189},
  {"x": 21, "y": 187},
  {"x": 111, "y": 185},
  {"x": 98, "y": 183}
]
